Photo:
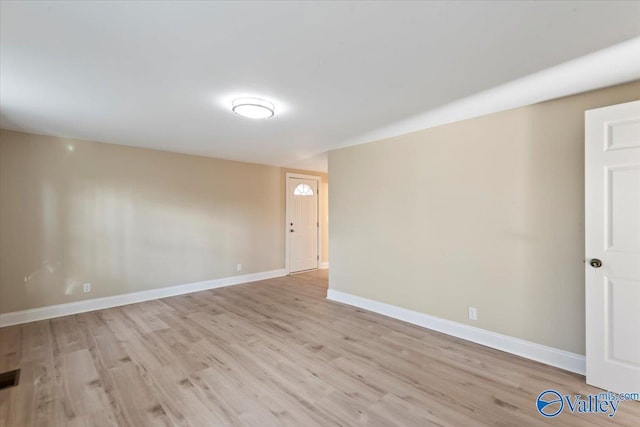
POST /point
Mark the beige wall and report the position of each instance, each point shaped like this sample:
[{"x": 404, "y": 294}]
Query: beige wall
[
  {"x": 127, "y": 219},
  {"x": 487, "y": 212}
]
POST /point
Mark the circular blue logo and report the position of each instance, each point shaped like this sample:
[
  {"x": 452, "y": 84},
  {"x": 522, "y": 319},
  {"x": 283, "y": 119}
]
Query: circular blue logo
[{"x": 549, "y": 403}]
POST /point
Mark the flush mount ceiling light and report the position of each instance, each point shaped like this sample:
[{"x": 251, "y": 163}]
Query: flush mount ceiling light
[{"x": 253, "y": 108}]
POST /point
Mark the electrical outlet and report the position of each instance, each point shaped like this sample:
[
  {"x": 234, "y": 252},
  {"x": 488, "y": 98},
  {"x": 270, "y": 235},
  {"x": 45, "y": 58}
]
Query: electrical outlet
[
  {"x": 473, "y": 313},
  {"x": 239, "y": 267},
  {"x": 86, "y": 287}
]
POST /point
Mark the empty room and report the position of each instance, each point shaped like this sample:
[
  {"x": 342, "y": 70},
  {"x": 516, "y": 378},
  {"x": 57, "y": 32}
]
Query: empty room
[{"x": 319, "y": 213}]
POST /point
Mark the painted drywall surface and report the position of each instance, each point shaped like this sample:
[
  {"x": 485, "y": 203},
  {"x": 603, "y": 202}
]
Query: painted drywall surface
[
  {"x": 323, "y": 208},
  {"x": 487, "y": 212},
  {"x": 127, "y": 219},
  {"x": 324, "y": 221}
]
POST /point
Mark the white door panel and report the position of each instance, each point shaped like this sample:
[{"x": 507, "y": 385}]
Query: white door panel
[
  {"x": 302, "y": 224},
  {"x": 612, "y": 221}
]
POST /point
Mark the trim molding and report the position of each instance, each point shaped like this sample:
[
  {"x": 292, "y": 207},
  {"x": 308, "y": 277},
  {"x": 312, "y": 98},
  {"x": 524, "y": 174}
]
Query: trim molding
[
  {"x": 48, "y": 312},
  {"x": 540, "y": 353},
  {"x": 324, "y": 265}
]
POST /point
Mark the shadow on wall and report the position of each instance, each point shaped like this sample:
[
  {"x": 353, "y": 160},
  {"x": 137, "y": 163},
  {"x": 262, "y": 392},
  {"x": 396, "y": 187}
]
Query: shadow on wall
[
  {"x": 552, "y": 170},
  {"x": 127, "y": 219}
]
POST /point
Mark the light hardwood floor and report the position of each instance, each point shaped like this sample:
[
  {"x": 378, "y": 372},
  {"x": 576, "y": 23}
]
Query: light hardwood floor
[{"x": 268, "y": 353}]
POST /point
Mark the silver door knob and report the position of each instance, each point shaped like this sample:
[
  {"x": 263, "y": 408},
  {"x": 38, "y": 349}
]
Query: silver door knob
[{"x": 595, "y": 263}]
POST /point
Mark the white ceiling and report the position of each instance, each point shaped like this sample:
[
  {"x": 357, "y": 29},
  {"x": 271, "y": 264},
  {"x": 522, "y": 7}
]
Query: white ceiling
[{"x": 162, "y": 74}]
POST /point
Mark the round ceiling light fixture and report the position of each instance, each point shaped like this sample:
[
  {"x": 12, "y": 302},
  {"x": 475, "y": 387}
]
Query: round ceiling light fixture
[{"x": 253, "y": 108}]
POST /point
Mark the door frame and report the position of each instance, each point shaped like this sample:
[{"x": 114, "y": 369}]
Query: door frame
[{"x": 288, "y": 176}]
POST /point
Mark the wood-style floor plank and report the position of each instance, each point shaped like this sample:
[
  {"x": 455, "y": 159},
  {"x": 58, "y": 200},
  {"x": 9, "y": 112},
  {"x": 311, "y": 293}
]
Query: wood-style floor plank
[{"x": 270, "y": 353}]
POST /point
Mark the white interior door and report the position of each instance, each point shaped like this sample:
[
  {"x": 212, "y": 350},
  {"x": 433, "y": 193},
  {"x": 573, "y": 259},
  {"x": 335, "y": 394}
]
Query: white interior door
[
  {"x": 612, "y": 174},
  {"x": 302, "y": 224}
]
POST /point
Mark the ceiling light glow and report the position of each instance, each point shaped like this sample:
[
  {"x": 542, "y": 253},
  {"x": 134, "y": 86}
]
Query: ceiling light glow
[{"x": 253, "y": 108}]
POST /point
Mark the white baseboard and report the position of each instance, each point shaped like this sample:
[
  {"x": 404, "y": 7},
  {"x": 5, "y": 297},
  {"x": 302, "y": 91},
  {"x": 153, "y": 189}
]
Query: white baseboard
[
  {"x": 42, "y": 313},
  {"x": 551, "y": 356},
  {"x": 324, "y": 265}
]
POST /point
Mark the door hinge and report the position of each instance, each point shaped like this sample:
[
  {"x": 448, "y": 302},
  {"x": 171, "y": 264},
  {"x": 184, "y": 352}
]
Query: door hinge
[
  {"x": 318, "y": 257},
  {"x": 317, "y": 224}
]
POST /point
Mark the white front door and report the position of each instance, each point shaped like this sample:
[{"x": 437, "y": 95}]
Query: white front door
[
  {"x": 302, "y": 224},
  {"x": 612, "y": 225}
]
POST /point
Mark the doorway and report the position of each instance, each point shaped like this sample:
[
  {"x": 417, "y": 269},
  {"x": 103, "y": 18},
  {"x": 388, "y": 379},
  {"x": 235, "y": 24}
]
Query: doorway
[{"x": 302, "y": 223}]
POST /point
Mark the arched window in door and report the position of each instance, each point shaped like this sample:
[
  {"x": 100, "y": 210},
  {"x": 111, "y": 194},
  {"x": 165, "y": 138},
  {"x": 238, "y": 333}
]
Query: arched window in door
[{"x": 303, "y": 190}]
